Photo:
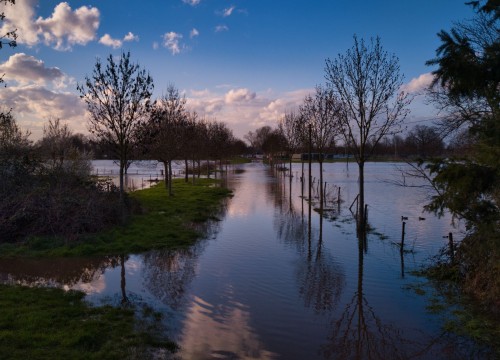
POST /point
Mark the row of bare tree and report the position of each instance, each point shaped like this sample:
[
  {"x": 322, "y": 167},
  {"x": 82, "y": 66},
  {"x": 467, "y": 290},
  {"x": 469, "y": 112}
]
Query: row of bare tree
[
  {"x": 123, "y": 115},
  {"x": 361, "y": 103},
  {"x": 170, "y": 132}
]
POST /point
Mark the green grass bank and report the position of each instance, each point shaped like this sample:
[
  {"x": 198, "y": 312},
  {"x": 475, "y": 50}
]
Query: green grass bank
[
  {"x": 159, "y": 221},
  {"x": 46, "y": 323}
]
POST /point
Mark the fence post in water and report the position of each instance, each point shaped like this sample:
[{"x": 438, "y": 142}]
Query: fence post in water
[
  {"x": 452, "y": 247},
  {"x": 403, "y": 236},
  {"x": 324, "y": 195},
  {"x": 366, "y": 216}
]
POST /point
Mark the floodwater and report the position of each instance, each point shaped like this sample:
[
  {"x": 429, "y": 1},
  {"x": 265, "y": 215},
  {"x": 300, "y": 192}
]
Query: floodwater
[
  {"x": 268, "y": 283},
  {"x": 140, "y": 174}
]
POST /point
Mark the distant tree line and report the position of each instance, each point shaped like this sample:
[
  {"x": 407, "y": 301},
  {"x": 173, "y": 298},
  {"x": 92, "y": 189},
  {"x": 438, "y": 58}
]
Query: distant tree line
[{"x": 421, "y": 142}]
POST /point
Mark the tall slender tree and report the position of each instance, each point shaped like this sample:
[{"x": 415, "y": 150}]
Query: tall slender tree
[
  {"x": 322, "y": 112},
  {"x": 163, "y": 133},
  {"x": 367, "y": 81},
  {"x": 287, "y": 127},
  {"x": 117, "y": 95}
]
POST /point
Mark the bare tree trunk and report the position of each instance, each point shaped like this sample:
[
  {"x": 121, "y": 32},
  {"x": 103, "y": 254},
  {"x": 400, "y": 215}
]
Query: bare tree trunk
[
  {"x": 193, "y": 175},
  {"x": 361, "y": 202},
  {"x": 302, "y": 162},
  {"x": 208, "y": 169},
  {"x": 122, "y": 182},
  {"x": 167, "y": 174},
  {"x": 321, "y": 194},
  {"x": 310, "y": 162},
  {"x": 186, "y": 175},
  {"x": 170, "y": 178}
]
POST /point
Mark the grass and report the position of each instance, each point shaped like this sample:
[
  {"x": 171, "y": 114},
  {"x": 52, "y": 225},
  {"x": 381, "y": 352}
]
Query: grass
[
  {"x": 163, "y": 222},
  {"x": 47, "y": 323},
  {"x": 239, "y": 160}
]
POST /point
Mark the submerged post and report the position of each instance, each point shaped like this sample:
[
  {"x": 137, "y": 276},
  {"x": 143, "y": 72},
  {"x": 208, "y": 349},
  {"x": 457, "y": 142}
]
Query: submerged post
[
  {"x": 365, "y": 219},
  {"x": 310, "y": 160},
  {"x": 403, "y": 237},
  {"x": 324, "y": 195},
  {"x": 452, "y": 247}
]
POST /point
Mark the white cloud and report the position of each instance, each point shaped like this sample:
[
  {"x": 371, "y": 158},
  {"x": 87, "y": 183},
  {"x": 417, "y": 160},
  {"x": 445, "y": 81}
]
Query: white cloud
[
  {"x": 66, "y": 27},
  {"x": 156, "y": 45},
  {"x": 227, "y": 12},
  {"x": 131, "y": 37},
  {"x": 24, "y": 69},
  {"x": 418, "y": 84},
  {"x": 107, "y": 40},
  {"x": 21, "y": 17},
  {"x": 171, "y": 42},
  {"x": 63, "y": 29},
  {"x": 193, "y": 33},
  {"x": 220, "y": 28},
  {"x": 239, "y": 95},
  {"x": 191, "y": 2}
]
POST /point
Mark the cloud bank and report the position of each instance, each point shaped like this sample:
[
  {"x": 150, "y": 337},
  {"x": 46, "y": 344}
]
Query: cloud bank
[
  {"x": 62, "y": 30},
  {"x": 36, "y": 92}
]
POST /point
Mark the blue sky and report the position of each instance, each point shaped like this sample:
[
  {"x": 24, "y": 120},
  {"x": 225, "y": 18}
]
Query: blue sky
[{"x": 244, "y": 62}]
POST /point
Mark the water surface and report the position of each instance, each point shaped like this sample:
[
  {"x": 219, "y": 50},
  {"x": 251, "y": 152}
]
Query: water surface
[{"x": 267, "y": 283}]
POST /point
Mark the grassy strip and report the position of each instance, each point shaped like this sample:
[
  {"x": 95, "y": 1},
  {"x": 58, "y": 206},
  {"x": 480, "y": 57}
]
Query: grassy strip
[
  {"x": 240, "y": 160},
  {"x": 45, "y": 323},
  {"x": 163, "y": 222}
]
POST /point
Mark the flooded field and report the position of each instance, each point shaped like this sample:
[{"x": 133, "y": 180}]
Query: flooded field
[{"x": 267, "y": 283}]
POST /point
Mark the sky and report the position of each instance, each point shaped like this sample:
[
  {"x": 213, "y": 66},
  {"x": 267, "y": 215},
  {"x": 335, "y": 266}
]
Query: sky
[{"x": 243, "y": 62}]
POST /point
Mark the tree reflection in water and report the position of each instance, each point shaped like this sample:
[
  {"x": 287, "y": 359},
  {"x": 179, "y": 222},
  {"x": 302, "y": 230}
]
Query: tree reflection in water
[
  {"x": 320, "y": 278},
  {"x": 168, "y": 273},
  {"x": 359, "y": 333},
  {"x": 356, "y": 332}
]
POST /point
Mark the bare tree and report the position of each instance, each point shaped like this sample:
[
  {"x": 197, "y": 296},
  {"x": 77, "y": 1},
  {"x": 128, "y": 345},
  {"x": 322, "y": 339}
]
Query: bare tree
[
  {"x": 56, "y": 142},
  {"x": 220, "y": 139},
  {"x": 424, "y": 141},
  {"x": 163, "y": 133},
  {"x": 322, "y": 113},
  {"x": 288, "y": 128},
  {"x": 256, "y": 138},
  {"x": 273, "y": 145},
  {"x": 367, "y": 81},
  {"x": 11, "y": 137},
  {"x": 117, "y": 97}
]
